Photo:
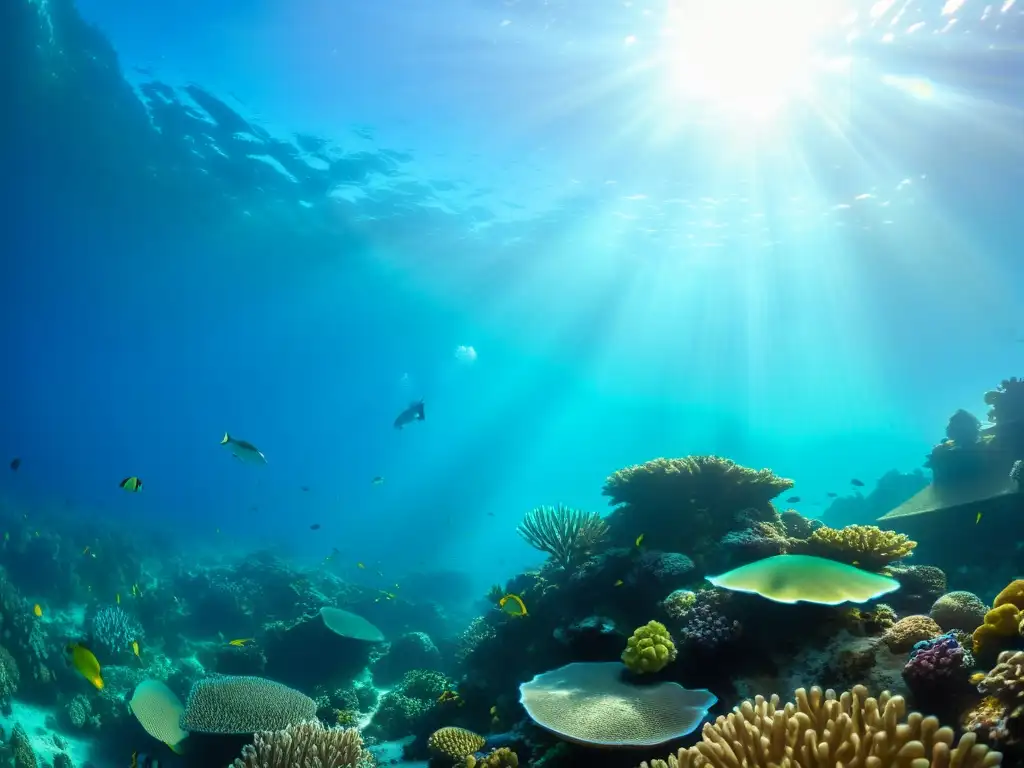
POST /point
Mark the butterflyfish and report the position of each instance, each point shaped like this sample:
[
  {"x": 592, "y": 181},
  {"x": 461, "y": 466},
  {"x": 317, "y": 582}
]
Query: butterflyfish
[
  {"x": 86, "y": 663},
  {"x": 135, "y": 648},
  {"x": 240, "y": 642},
  {"x": 360, "y": 566},
  {"x": 37, "y": 609},
  {"x": 242, "y": 450},
  {"x": 132, "y": 484},
  {"x": 977, "y": 519},
  {"x": 639, "y": 539},
  {"x": 513, "y": 605},
  {"x": 117, "y": 597}
]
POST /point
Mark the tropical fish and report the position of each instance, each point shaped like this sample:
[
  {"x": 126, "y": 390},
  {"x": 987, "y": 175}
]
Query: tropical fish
[
  {"x": 135, "y": 648},
  {"x": 86, "y": 663},
  {"x": 86, "y": 550},
  {"x": 37, "y": 609},
  {"x": 857, "y": 483},
  {"x": 977, "y": 519},
  {"x": 304, "y": 488},
  {"x": 361, "y": 566},
  {"x": 15, "y": 463},
  {"x": 136, "y": 592},
  {"x": 315, "y": 527},
  {"x": 378, "y": 480},
  {"x": 132, "y": 484},
  {"x": 241, "y": 642},
  {"x": 159, "y": 711},
  {"x": 513, "y": 605},
  {"x": 384, "y": 595},
  {"x": 639, "y": 539},
  {"x": 413, "y": 413},
  {"x": 792, "y": 499},
  {"x": 243, "y": 451},
  {"x": 831, "y": 495},
  {"x": 619, "y": 583},
  {"x": 117, "y": 597}
]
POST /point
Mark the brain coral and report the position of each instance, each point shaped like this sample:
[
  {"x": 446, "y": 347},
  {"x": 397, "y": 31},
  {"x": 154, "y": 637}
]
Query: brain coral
[
  {"x": 305, "y": 744},
  {"x": 822, "y": 729},
  {"x": 244, "y": 705},
  {"x": 455, "y": 742},
  {"x": 649, "y": 649},
  {"x": 959, "y": 610},
  {"x": 910, "y": 630},
  {"x": 591, "y": 703}
]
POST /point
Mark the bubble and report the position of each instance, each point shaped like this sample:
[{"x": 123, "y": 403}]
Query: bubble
[{"x": 465, "y": 354}]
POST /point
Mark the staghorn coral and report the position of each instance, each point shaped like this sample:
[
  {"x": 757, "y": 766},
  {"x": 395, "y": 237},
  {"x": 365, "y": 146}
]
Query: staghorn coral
[
  {"x": 910, "y": 630},
  {"x": 866, "y": 546},
  {"x": 959, "y": 610},
  {"x": 649, "y": 649},
  {"x": 305, "y": 745},
  {"x": 568, "y": 535},
  {"x": 114, "y": 630},
  {"x": 824, "y": 729},
  {"x": 455, "y": 743},
  {"x": 244, "y": 705},
  {"x": 503, "y": 757}
]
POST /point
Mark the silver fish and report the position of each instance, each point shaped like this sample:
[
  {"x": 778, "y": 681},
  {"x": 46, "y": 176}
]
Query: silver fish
[{"x": 243, "y": 451}]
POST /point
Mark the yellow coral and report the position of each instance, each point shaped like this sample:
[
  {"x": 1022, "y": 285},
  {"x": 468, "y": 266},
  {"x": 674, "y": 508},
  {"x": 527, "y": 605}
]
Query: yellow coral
[
  {"x": 455, "y": 743},
  {"x": 905, "y": 633},
  {"x": 1001, "y": 622},
  {"x": 649, "y": 649},
  {"x": 1012, "y": 594},
  {"x": 503, "y": 757},
  {"x": 824, "y": 729},
  {"x": 866, "y": 546}
]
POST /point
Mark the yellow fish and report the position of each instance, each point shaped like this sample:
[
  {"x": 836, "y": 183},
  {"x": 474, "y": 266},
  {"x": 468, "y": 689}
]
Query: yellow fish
[
  {"x": 619, "y": 583},
  {"x": 135, "y": 648},
  {"x": 37, "y": 609},
  {"x": 117, "y": 596},
  {"x": 136, "y": 592},
  {"x": 86, "y": 663},
  {"x": 360, "y": 566},
  {"x": 513, "y": 605},
  {"x": 447, "y": 696},
  {"x": 241, "y": 642},
  {"x": 135, "y": 760},
  {"x": 977, "y": 519},
  {"x": 639, "y": 539},
  {"x": 132, "y": 484}
]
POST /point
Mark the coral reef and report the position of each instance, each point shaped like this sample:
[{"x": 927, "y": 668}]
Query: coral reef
[
  {"x": 568, "y": 535},
  {"x": 307, "y": 743},
  {"x": 866, "y": 546},
  {"x": 909, "y": 631},
  {"x": 455, "y": 743},
  {"x": 959, "y": 610},
  {"x": 244, "y": 705},
  {"x": 649, "y": 649}
]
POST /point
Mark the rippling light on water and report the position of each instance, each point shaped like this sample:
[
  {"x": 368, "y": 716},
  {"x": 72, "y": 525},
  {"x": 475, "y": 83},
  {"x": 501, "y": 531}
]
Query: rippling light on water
[{"x": 746, "y": 58}]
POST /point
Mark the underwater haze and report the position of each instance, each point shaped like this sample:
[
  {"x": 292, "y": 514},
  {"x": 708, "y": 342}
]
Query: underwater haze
[{"x": 585, "y": 234}]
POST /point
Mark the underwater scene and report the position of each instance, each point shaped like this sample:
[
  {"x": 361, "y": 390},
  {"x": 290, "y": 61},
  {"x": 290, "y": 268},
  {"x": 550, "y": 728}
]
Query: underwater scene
[{"x": 497, "y": 383}]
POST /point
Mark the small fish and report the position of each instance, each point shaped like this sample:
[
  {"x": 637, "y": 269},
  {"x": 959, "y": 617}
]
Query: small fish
[
  {"x": 977, "y": 519},
  {"x": 494, "y": 710},
  {"x": 86, "y": 663},
  {"x": 832, "y": 495},
  {"x": 413, "y": 413},
  {"x": 37, "y": 609},
  {"x": 15, "y": 463},
  {"x": 857, "y": 483},
  {"x": 305, "y": 488},
  {"x": 639, "y": 540},
  {"x": 86, "y": 550},
  {"x": 379, "y": 573},
  {"x": 360, "y": 566},
  {"x": 385, "y": 595},
  {"x": 136, "y": 592},
  {"x": 619, "y": 583},
  {"x": 447, "y": 696},
  {"x": 242, "y": 450},
  {"x": 378, "y": 480},
  {"x": 36, "y": 534},
  {"x": 315, "y": 527},
  {"x": 135, "y": 648},
  {"x": 132, "y": 484},
  {"x": 117, "y": 597},
  {"x": 792, "y": 499},
  {"x": 490, "y": 514},
  {"x": 240, "y": 642},
  {"x": 513, "y": 605}
]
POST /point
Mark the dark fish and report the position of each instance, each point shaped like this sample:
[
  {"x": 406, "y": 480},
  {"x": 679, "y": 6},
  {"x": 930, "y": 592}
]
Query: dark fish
[
  {"x": 490, "y": 514},
  {"x": 315, "y": 527},
  {"x": 378, "y": 480},
  {"x": 857, "y": 483},
  {"x": 832, "y": 495},
  {"x": 792, "y": 499},
  {"x": 305, "y": 487},
  {"x": 15, "y": 463},
  {"x": 413, "y": 413}
]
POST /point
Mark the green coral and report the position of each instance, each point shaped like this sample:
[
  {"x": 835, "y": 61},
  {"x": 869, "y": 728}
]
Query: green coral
[
  {"x": 649, "y": 649},
  {"x": 243, "y": 704},
  {"x": 866, "y": 546},
  {"x": 423, "y": 684},
  {"x": 568, "y": 535}
]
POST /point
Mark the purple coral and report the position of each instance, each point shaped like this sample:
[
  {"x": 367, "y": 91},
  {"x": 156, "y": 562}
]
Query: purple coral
[
  {"x": 707, "y": 626},
  {"x": 936, "y": 667}
]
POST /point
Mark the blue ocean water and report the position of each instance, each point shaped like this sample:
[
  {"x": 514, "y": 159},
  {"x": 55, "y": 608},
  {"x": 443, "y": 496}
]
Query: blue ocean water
[{"x": 586, "y": 234}]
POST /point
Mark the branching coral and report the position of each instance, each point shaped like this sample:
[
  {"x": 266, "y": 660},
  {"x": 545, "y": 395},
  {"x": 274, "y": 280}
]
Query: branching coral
[
  {"x": 308, "y": 744},
  {"x": 866, "y": 546},
  {"x": 568, "y": 535},
  {"x": 825, "y": 729},
  {"x": 687, "y": 505}
]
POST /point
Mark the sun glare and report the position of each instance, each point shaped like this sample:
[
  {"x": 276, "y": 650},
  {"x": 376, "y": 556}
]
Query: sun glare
[{"x": 746, "y": 58}]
